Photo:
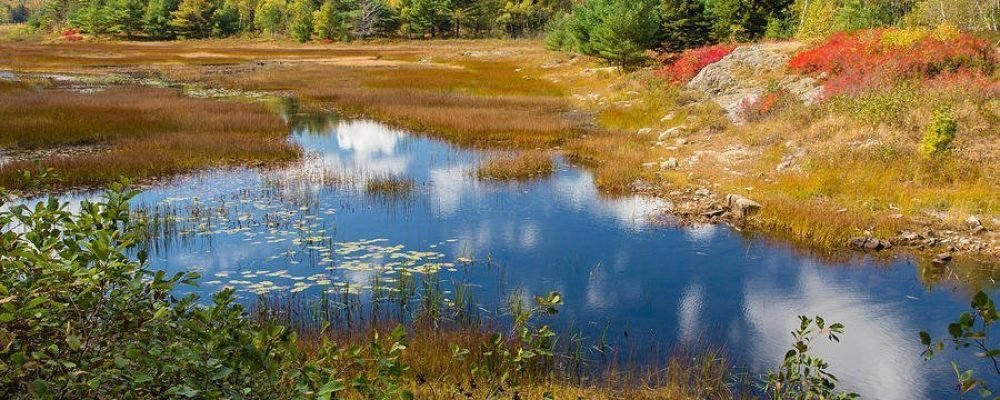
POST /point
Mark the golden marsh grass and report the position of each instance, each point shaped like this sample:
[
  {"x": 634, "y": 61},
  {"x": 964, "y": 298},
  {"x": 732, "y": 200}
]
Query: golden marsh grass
[
  {"x": 521, "y": 166},
  {"x": 143, "y": 133}
]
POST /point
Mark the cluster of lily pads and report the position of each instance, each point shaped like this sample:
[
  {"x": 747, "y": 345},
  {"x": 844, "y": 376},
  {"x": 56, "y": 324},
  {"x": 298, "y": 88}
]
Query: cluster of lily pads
[{"x": 305, "y": 254}]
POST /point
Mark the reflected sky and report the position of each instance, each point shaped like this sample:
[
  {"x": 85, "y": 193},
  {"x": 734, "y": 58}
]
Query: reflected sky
[{"x": 616, "y": 269}]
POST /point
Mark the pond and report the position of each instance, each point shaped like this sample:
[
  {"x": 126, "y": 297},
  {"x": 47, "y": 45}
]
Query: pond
[{"x": 304, "y": 229}]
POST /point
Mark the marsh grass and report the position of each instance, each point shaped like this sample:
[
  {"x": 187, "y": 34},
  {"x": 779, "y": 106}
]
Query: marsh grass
[
  {"x": 389, "y": 187},
  {"x": 519, "y": 166},
  {"x": 859, "y": 151},
  {"x": 143, "y": 133},
  {"x": 450, "y": 345}
]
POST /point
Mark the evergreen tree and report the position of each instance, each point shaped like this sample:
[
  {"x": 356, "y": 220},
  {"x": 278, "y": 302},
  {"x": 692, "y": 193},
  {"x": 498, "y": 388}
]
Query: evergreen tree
[
  {"x": 92, "y": 17},
  {"x": 627, "y": 29},
  {"x": 685, "y": 24},
  {"x": 125, "y": 17},
  {"x": 244, "y": 13},
  {"x": 227, "y": 19},
  {"x": 156, "y": 18},
  {"x": 424, "y": 17},
  {"x": 300, "y": 23},
  {"x": 194, "y": 18},
  {"x": 271, "y": 16},
  {"x": 325, "y": 21}
]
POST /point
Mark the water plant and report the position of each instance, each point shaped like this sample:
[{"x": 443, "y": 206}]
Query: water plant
[
  {"x": 972, "y": 331},
  {"x": 521, "y": 166},
  {"x": 803, "y": 376},
  {"x": 389, "y": 187}
]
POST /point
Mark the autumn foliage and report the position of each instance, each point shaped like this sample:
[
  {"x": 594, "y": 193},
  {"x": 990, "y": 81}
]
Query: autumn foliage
[
  {"x": 856, "y": 61},
  {"x": 692, "y": 61}
]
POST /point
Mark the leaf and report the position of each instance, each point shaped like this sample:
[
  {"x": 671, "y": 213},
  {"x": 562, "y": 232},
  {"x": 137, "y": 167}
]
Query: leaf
[
  {"x": 221, "y": 373},
  {"x": 182, "y": 390},
  {"x": 74, "y": 342},
  {"x": 955, "y": 330},
  {"x": 925, "y": 338},
  {"x": 331, "y": 387}
]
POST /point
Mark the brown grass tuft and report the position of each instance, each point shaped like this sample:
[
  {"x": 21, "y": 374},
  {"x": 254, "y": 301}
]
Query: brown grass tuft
[{"x": 521, "y": 166}]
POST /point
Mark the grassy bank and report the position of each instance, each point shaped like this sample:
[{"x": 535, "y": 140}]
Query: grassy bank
[
  {"x": 847, "y": 166},
  {"x": 139, "y": 132}
]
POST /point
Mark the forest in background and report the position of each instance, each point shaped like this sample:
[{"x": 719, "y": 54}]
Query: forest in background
[{"x": 627, "y": 27}]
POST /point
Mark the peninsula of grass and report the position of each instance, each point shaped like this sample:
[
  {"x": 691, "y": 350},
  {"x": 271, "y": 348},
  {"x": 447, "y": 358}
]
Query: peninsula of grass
[
  {"x": 136, "y": 132},
  {"x": 519, "y": 166}
]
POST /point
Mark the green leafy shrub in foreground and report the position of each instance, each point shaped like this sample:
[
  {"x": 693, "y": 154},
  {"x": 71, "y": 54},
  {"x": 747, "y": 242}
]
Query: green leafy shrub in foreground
[
  {"x": 80, "y": 318},
  {"x": 941, "y": 132}
]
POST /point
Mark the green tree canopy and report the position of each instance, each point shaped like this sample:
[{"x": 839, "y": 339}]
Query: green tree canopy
[
  {"x": 685, "y": 24},
  {"x": 194, "y": 18}
]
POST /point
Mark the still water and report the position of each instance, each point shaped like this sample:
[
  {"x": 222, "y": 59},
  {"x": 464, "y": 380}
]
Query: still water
[{"x": 304, "y": 229}]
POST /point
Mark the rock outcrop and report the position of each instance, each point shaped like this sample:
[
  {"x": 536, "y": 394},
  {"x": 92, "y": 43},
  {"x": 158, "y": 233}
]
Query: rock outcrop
[
  {"x": 741, "y": 207},
  {"x": 742, "y": 78}
]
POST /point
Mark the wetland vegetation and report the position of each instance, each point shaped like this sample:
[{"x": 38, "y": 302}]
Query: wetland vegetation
[{"x": 258, "y": 266}]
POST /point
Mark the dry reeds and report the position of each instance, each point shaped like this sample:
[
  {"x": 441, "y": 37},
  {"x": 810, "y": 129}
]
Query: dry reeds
[
  {"x": 521, "y": 166},
  {"x": 144, "y": 133}
]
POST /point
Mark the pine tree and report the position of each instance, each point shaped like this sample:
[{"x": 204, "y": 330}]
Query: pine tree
[
  {"x": 91, "y": 17},
  {"x": 325, "y": 21},
  {"x": 685, "y": 24},
  {"x": 194, "y": 18},
  {"x": 271, "y": 16},
  {"x": 300, "y": 23},
  {"x": 156, "y": 18},
  {"x": 626, "y": 30},
  {"x": 124, "y": 16}
]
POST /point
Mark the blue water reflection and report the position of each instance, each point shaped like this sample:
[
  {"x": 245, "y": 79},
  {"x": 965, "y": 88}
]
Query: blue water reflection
[{"x": 616, "y": 268}]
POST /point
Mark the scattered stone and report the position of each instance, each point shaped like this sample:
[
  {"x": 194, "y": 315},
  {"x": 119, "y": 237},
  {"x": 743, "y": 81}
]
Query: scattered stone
[
  {"x": 869, "y": 243},
  {"x": 668, "y": 117},
  {"x": 702, "y": 192},
  {"x": 973, "y": 222},
  {"x": 669, "y": 133},
  {"x": 681, "y": 141},
  {"x": 909, "y": 236},
  {"x": 714, "y": 213},
  {"x": 640, "y": 185},
  {"x": 670, "y": 163},
  {"x": 648, "y": 165},
  {"x": 644, "y": 131},
  {"x": 942, "y": 258},
  {"x": 740, "y": 206}
]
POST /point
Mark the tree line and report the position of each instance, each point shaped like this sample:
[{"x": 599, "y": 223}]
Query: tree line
[
  {"x": 302, "y": 20},
  {"x": 620, "y": 31},
  {"x": 617, "y": 30}
]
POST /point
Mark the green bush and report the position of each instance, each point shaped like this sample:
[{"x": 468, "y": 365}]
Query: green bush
[
  {"x": 941, "y": 132},
  {"x": 81, "y": 318}
]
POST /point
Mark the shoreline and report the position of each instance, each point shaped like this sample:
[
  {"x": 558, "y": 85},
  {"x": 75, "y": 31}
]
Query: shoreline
[{"x": 693, "y": 203}]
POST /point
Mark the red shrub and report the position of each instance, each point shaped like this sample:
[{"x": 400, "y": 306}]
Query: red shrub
[
  {"x": 689, "y": 63},
  {"x": 862, "y": 60},
  {"x": 71, "y": 34}
]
